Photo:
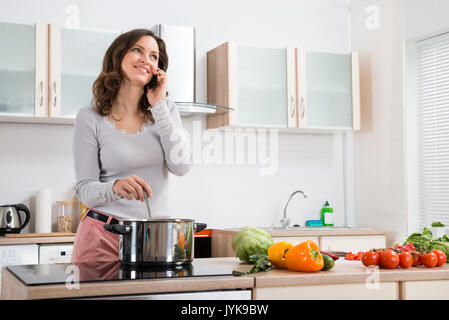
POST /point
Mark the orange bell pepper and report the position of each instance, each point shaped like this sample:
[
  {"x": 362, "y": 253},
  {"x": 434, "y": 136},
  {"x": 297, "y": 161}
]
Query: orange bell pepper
[
  {"x": 276, "y": 253},
  {"x": 305, "y": 256}
]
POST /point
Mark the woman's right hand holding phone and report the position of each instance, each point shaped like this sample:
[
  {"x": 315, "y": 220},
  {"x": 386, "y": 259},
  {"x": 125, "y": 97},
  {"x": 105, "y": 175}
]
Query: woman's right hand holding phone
[
  {"x": 132, "y": 186},
  {"x": 159, "y": 92}
]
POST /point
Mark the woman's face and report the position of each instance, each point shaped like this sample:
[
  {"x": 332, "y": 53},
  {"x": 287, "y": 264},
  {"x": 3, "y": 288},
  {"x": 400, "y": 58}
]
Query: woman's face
[{"x": 141, "y": 61}]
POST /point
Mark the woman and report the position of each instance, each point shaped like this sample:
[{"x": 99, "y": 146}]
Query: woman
[{"x": 125, "y": 143}]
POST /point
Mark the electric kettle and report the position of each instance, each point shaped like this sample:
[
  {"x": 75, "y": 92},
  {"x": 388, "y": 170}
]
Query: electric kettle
[{"x": 10, "y": 219}]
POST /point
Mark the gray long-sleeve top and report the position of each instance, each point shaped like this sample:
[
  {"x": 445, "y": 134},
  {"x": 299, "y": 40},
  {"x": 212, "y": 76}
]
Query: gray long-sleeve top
[{"x": 103, "y": 154}]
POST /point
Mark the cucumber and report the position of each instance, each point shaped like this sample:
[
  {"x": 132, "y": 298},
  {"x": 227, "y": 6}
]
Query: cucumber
[{"x": 328, "y": 262}]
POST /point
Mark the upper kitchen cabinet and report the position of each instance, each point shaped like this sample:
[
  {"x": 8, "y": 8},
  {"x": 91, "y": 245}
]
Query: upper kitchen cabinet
[
  {"x": 23, "y": 69},
  {"x": 47, "y": 72},
  {"x": 327, "y": 90},
  {"x": 254, "y": 82},
  {"x": 283, "y": 88},
  {"x": 75, "y": 61}
]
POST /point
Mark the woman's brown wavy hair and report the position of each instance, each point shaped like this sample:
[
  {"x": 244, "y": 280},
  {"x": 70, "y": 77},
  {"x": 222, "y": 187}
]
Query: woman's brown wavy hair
[{"x": 106, "y": 87}]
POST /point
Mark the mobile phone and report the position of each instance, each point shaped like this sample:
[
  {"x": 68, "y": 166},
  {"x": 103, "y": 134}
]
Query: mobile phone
[{"x": 153, "y": 82}]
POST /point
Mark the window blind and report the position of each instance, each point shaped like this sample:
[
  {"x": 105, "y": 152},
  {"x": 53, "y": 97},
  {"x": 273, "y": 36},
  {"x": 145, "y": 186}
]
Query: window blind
[{"x": 433, "y": 128}]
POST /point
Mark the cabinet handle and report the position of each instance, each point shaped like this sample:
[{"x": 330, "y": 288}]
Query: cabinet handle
[
  {"x": 292, "y": 106},
  {"x": 55, "y": 92},
  {"x": 42, "y": 93}
]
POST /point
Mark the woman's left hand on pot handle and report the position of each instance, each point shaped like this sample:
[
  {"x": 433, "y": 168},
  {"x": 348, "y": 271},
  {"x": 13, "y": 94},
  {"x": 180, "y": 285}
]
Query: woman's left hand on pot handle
[{"x": 159, "y": 92}]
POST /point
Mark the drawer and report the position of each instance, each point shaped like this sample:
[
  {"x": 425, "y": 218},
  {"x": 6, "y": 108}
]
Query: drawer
[
  {"x": 425, "y": 290},
  {"x": 352, "y": 243},
  {"x": 346, "y": 291}
]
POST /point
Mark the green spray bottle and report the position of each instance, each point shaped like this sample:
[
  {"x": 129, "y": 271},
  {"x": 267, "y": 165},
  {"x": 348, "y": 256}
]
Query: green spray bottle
[{"x": 327, "y": 215}]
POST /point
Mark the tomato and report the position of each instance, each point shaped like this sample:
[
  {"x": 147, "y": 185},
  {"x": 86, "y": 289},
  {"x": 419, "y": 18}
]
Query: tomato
[
  {"x": 370, "y": 258},
  {"x": 416, "y": 258},
  {"x": 441, "y": 257},
  {"x": 430, "y": 260},
  {"x": 405, "y": 260},
  {"x": 379, "y": 252},
  {"x": 389, "y": 259}
]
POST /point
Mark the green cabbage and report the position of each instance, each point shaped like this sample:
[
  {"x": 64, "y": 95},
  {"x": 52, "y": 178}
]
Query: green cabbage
[{"x": 249, "y": 241}]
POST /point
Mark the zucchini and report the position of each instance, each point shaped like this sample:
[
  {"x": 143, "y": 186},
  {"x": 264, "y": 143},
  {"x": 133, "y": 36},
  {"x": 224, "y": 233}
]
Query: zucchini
[{"x": 328, "y": 262}]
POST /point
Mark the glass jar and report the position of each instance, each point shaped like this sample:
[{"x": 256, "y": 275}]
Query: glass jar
[{"x": 65, "y": 216}]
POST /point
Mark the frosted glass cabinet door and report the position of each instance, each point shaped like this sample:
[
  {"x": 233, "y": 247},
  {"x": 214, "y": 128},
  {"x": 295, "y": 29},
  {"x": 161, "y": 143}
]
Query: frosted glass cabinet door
[
  {"x": 81, "y": 59},
  {"x": 17, "y": 69},
  {"x": 328, "y": 89},
  {"x": 262, "y": 86}
]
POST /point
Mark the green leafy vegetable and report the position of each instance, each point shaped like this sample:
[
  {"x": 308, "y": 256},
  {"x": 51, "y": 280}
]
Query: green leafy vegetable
[
  {"x": 261, "y": 263},
  {"x": 437, "y": 224},
  {"x": 250, "y": 241},
  {"x": 426, "y": 242}
]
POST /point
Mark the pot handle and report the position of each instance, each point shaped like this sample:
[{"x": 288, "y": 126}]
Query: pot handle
[
  {"x": 199, "y": 226},
  {"x": 118, "y": 228}
]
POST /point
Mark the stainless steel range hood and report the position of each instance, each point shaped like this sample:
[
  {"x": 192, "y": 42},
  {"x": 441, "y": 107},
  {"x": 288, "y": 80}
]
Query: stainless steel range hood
[{"x": 181, "y": 48}]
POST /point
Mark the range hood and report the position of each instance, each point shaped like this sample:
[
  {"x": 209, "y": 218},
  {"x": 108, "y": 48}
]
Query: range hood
[{"x": 181, "y": 48}]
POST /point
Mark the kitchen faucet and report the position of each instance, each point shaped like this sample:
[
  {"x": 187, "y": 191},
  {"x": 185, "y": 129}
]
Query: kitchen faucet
[{"x": 285, "y": 221}]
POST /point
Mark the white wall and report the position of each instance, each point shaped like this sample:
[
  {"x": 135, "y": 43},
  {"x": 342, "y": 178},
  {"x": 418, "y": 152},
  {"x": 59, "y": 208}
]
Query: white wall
[
  {"x": 425, "y": 18},
  {"x": 380, "y": 160},
  {"x": 224, "y": 195},
  {"x": 378, "y": 147}
]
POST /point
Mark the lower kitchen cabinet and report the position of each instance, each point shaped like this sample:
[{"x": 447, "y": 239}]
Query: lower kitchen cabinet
[
  {"x": 346, "y": 291},
  {"x": 352, "y": 243},
  {"x": 425, "y": 290}
]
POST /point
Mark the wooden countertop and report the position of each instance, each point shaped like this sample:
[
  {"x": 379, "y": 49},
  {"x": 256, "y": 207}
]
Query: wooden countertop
[
  {"x": 343, "y": 272},
  {"x": 37, "y": 240},
  {"x": 13, "y": 288},
  {"x": 312, "y": 231}
]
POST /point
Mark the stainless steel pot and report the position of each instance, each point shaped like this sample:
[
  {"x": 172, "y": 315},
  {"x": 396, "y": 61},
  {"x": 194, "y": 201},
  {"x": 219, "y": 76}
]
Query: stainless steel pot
[{"x": 156, "y": 242}]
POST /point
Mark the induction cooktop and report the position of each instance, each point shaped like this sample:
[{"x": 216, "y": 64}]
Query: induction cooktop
[{"x": 42, "y": 274}]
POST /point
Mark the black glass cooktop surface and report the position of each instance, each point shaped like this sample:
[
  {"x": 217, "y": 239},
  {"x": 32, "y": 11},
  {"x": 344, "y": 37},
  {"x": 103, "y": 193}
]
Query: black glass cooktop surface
[{"x": 40, "y": 274}]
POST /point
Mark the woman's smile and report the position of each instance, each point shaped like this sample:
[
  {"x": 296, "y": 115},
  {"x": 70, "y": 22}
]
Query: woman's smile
[{"x": 142, "y": 69}]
